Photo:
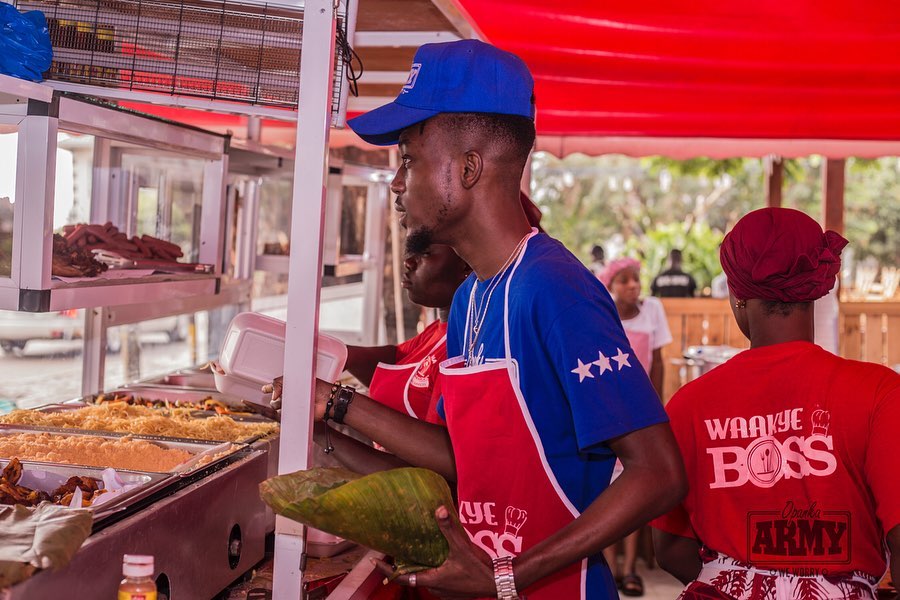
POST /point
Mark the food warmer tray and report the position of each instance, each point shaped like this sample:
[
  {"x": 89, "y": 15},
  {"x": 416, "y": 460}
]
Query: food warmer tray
[
  {"x": 149, "y": 483},
  {"x": 199, "y": 449},
  {"x": 71, "y": 405},
  {"x": 179, "y": 394},
  {"x": 203, "y": 535}
]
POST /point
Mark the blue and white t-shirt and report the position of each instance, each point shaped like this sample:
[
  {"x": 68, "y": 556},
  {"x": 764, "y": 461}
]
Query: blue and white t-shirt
[{"x": 577, "y": 372}]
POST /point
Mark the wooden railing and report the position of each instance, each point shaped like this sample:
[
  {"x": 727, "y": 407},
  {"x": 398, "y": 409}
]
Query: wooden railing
[
  {"x": 868, "y": 331},
  {"x": 695, "y": 322}
]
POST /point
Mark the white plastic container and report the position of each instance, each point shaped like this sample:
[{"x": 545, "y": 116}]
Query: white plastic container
[{"x": 253, "y": 355}]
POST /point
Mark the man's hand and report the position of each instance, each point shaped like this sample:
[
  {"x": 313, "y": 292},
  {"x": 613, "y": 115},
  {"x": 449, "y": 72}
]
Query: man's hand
[
  {"x": 275, "y": 388},
  {"x": 467, "y": 572},
  {"x": 323, "y": 391},
  {"x": 413, "y": 441}
]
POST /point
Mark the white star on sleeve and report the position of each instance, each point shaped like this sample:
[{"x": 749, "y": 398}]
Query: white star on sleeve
[
  {"x": 603, "y": 363},
  {"x": 622, "y": 359},
  {"x": 583, "y": 371}
]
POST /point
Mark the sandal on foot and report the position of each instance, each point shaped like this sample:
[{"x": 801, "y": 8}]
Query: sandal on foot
[{"x": 633, "y": 585}]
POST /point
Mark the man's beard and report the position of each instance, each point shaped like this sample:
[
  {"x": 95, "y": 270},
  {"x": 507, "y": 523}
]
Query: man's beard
[{"x": 419, "y": 241}]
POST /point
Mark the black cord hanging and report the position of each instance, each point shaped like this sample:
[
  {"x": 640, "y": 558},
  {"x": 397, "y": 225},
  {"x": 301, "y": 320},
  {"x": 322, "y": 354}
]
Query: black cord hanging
[{"x": 350, "y": 57}]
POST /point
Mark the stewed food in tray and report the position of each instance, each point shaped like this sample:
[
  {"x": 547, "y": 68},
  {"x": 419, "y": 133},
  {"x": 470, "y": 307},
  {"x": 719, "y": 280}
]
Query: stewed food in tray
[{"x": 122, "y": 417}]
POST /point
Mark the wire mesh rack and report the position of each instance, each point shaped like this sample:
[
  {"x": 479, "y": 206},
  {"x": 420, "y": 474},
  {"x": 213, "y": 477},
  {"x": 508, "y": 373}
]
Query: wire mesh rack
[{"x": 217, "y": 50}]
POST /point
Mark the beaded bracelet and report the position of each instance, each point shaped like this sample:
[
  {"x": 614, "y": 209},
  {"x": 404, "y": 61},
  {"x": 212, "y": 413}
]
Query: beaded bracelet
[{"x": 329, "y": 447}]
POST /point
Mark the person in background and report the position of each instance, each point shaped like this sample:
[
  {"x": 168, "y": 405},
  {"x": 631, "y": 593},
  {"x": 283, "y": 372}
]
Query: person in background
[
  {"x": 405, "y": 377},
  {"x": 791, "y": 451},
  {"x": 539, "y": 395},
  {"x": 402, "y": 377},
  {"x": 598, "y": 260},
  {"x": 647, "y": 329},
  {"x": 644, "y": 319},
  {"x": 674, "y": 282}
]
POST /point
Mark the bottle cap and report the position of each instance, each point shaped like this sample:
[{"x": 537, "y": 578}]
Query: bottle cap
[{"x": 137, "y": 565}]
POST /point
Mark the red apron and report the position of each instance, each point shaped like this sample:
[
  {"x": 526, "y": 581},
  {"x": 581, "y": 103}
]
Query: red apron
[
  {"x": 405, "y": 387},
  {"x": 516, "y": 503}
]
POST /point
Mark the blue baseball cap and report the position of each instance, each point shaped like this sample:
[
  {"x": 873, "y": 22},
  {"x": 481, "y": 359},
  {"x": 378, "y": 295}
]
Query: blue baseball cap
[{"x": 467, "y": 76}]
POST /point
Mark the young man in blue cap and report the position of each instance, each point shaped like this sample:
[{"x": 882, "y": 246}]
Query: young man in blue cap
[{"x": 542, "y": 391}]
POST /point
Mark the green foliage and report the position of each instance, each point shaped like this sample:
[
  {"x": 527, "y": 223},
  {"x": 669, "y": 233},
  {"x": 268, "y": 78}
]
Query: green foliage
[
  {"x": 872, "y": 209},
  {"x": 699, "y": 245},
  {"x": 648, "y": 206},
  {"x": 695, "y": 167},
  {"x": 651, "y": 205}
]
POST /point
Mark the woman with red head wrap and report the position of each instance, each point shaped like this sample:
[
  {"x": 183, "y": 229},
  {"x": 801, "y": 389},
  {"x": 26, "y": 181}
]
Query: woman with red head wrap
[
  {"x": 780, "y": 255},
  {"x": 790, "y": 450}
]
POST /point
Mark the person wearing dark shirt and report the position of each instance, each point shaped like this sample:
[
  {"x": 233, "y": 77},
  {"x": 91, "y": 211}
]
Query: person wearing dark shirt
[
  {"x": 674, "y": 282},
  {"x": 598, "y": 261}
]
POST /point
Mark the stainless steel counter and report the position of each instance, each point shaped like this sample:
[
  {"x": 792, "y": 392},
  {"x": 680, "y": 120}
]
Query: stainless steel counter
[{"x": 203, "y": 537}]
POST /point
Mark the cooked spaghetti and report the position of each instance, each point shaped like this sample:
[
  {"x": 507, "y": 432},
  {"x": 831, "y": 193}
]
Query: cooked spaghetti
[
  {"x": 92, "y": 451},
  {"x": 140, "y": 420}
]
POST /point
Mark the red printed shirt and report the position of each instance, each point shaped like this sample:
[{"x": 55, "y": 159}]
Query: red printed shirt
[
  {"x": 422, "y": 348},
  {"x": 791, "y": 457}
]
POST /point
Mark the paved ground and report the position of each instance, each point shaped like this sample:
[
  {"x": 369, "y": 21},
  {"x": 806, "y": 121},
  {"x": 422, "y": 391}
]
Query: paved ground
[
  {"x": 658, "y": 585},
  {"x": 50, "y": 371}
]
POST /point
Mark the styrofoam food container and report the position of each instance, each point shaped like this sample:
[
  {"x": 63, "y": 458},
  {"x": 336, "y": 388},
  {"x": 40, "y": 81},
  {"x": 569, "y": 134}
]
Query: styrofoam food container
[
  {"x": 253, "y": 355},
  {"x": 321, "y": 545}
]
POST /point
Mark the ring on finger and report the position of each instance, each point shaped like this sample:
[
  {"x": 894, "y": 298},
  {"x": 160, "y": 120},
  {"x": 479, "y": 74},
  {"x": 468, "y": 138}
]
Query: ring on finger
[{"x": 412, "y": 580}]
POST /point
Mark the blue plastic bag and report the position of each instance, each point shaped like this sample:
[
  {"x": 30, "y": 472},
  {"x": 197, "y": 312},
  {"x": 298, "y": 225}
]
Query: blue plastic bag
[{"x": 25, "y": 49}]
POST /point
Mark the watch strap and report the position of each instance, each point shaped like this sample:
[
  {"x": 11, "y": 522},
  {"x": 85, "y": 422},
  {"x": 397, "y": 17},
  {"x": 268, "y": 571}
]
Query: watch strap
[{"x": 504, "y": 578}]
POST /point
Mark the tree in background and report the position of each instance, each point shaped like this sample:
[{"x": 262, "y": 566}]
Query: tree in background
[
  {"x": 648, "y": 206},
  {"x": 872, "y": 205}
]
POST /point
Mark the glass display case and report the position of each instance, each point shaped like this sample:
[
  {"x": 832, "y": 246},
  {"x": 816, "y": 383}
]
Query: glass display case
[
  {"x": 112, "y": 244},
  {"x": 9, "y": 139},
  {"x": 105, "y": 206}
]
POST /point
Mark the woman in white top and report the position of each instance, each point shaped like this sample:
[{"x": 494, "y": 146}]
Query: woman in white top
[{"x": 644, "y": 320}]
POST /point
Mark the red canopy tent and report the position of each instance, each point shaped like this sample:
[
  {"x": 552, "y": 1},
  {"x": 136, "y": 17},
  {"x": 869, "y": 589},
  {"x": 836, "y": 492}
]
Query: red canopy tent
[
  {"x": 707, "y": 77},
  {"x": 816, "y": 69}
]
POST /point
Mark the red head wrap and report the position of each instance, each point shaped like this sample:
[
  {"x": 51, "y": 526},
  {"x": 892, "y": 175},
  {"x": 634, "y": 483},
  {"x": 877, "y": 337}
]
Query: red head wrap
[
  {"x": 780, "y": 254},
  {"x": 614, "y": 267}
]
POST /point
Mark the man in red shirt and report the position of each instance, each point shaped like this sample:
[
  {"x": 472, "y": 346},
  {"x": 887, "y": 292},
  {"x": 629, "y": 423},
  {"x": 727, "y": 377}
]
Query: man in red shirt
[
  {"x": 405, "y": 376},
  {"x": 790, "y": 450}
]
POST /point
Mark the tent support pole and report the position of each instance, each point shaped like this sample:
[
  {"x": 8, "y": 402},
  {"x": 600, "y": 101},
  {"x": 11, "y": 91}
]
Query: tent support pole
[
  {"x": 833, "y": 194},
  {"x": 774, "y": 179}
]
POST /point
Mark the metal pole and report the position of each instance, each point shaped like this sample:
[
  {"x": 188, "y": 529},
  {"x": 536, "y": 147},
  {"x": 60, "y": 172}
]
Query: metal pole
[{"x": 304, "y": 277}]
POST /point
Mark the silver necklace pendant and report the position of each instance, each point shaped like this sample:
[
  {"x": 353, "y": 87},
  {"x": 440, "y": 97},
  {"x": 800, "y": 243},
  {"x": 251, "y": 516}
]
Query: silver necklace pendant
[{"x": 476, "y": 315}]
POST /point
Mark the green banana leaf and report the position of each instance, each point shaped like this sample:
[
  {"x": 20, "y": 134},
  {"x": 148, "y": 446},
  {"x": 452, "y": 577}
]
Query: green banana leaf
[{"x": 389, "y": 511}]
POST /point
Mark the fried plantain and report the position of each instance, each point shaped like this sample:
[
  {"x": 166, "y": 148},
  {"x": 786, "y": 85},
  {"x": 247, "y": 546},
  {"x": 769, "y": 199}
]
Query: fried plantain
[{"x": 12, "y": 472}]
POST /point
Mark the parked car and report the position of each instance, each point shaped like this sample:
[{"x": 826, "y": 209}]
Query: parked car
[{"x": 19, "y": 328}]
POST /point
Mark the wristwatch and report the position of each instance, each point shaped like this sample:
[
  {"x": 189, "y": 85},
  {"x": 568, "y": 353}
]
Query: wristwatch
[{"x": 503, "y": 578}]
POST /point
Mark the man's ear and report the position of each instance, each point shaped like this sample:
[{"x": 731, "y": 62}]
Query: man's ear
[{"x": 473, "y": 166}]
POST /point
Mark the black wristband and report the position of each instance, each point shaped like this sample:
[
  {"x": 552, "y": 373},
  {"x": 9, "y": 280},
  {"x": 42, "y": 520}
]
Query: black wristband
[{"x": 344, "y": 398}]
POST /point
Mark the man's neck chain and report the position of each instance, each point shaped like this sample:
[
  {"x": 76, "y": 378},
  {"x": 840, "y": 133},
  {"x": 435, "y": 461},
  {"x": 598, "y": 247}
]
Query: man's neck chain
[{"x": 475, "y": 317}]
